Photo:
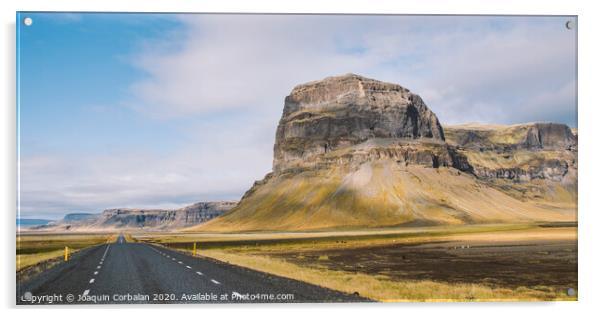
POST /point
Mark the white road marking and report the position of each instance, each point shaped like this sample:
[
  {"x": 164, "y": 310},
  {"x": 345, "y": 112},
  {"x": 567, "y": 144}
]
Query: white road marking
[
  {"x": 199, "y": 273},
  {"x": 188, "y": 267},
  {"x": 96, "y": 273},
  {"x": 91, "y": 281},
  {"x": 86, "y": 292},
  {"x": 98, "y": 267},
  {"x": 106, "y": 250},
  {"x": 215, "y": 282},
  {"x": 179, "y": 262},
  {"x": 173, "y": 259}
]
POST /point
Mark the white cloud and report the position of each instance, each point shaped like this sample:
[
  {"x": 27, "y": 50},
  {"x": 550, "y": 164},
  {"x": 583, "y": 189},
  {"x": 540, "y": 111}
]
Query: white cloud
[
  {"x": 460, "y": 64},
  {"x": 218, "y": 161},
  {"x": 239, "y": 62}
]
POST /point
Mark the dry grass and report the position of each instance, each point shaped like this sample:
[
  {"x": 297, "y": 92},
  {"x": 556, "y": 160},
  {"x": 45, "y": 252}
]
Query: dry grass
[
  {"x": 379, "y": 194},
  {"x": 27, "y": 260},
  {"x": 35, "y": 248},
  {"x": 328, "y": 239},
  {"x": 259, "y": 257},
  {"x": 381, "y": 289}
]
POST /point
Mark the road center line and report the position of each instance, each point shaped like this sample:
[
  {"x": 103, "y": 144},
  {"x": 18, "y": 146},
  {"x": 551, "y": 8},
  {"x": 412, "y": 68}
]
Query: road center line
[
  {"x": 91, "y": 281},
  {"x": 106, "y": 250},
  {"x": 215, "y": 282},
  {"x": 179, "y": 262},
  {"x": 199, "y": 273},
  {"x": 96, "y": 272},
  {"x": 188, "y": 267},
  {"x": 86, "y": 292},
  {"x": 98, "y": 267}
]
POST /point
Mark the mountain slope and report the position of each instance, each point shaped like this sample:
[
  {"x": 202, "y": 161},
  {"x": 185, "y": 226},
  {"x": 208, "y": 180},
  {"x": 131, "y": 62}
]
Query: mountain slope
[{"x": 377, "y": 193}]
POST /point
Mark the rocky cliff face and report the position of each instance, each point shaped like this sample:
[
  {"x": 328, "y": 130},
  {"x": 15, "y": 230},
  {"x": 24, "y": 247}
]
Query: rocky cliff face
[
  {"x": 520, "y": 153},
  {"x": 356, "y": 152},
  {"x": 322, "y": 116},
  {"x": 531, "y": 136},
  {"x": 549, "y": 136},
  {"x": 162, "y": 218},
  {"x": 142, "y": 219}
]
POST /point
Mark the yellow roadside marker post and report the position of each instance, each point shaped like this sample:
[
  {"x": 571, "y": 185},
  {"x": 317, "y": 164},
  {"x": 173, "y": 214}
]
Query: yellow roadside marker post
[
  {"x": 66, "y": 253},
  {"x": 194, "y": 249}
]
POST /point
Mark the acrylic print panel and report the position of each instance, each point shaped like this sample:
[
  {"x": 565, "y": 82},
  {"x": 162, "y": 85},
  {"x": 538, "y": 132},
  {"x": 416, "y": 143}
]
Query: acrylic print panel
[{"x": 224, "y": 158}]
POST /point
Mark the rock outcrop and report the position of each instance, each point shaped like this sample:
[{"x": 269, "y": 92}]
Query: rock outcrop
[
  {"x": 533, "y": 162},
  {"x": 322, "y": 116},
  {"x": 356, "y": 152},
  {"x": 532, "y": 136},
  {"x": 519, "y": 153}
]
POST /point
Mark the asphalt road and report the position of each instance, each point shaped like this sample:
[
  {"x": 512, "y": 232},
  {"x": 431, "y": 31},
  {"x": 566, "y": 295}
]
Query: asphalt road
[{"x": 138, "y": 273}]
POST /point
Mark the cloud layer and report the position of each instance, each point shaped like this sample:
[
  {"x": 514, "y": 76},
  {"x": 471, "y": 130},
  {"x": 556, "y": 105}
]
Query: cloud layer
[{"x": 466, "y": 68}]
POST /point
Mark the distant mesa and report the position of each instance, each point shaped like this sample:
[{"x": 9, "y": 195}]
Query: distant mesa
[
  {"x": 354, "y": 152},
  {"x": 75, "y": 217},
  {"x": 140, "y": 219}
]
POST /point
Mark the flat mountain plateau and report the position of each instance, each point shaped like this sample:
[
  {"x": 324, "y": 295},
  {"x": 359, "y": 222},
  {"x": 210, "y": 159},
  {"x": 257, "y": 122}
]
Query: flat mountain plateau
[
  {"x": 136, "y": 219},
  {"x": 353, "y": 152}
]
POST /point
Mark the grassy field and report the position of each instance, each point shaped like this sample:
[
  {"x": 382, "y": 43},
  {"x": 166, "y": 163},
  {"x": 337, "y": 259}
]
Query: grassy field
[
  {"x": 35, "y": 248},
  {"x": 505, "y": 262}
]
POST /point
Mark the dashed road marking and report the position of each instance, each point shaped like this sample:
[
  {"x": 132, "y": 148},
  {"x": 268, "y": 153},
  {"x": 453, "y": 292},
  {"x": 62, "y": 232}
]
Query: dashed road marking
[
  {"x": 106, "y": 250},
  {"x": 86, "y": 292},
  {"x": 180, "y": 262},
  {"x": 95, "y": 272},
  {"x": 91, "y": 281},
  {"x": 98, "y": 267}
]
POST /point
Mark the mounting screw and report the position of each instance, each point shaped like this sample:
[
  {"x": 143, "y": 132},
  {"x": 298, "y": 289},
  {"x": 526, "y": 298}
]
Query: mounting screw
[{"x": 570, "y": 291}]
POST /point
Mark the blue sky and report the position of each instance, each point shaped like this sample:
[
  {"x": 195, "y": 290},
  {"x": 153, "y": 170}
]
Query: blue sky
[{"x": 150, "y": 110}]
